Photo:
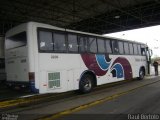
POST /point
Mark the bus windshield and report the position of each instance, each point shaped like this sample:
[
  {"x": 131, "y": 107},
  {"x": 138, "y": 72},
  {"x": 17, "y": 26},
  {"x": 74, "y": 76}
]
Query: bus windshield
[{"x": 17, "y": 40}]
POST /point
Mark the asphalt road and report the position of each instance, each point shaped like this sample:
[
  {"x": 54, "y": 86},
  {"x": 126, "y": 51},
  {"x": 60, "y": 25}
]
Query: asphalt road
[
  {"x": 8, "y": 93},
  {"x": 117, "y": 103},
  {"x": 143, "y": 103}
]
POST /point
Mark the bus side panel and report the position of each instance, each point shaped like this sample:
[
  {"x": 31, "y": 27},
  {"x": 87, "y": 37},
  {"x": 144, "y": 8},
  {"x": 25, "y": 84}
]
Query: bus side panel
[
  {"x": 137, "y": 62},
  {"x": 120, "y": 67},
  {"x": 57, "y": 72}
]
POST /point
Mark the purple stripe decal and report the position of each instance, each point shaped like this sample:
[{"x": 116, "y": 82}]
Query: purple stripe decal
[{"x": 126, "y": 67}]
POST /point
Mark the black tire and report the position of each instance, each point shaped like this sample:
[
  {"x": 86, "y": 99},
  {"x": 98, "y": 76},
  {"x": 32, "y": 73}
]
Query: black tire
[
  {"x": 86, "y": 83},
  {"x": 141, "y": 74}
]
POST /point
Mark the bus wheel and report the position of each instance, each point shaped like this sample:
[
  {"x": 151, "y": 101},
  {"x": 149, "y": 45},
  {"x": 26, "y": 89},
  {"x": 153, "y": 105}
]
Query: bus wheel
[
  {"x": 141, "y": 74},
  {"x": 86, "y": 83}
]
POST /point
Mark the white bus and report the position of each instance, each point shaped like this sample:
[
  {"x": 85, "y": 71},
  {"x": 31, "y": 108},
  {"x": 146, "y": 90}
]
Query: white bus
[{"x": 49, "y": 59}]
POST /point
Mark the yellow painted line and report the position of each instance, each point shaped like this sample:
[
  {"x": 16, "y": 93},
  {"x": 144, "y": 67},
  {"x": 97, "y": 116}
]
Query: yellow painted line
[
  {"x": 38, "y": 98},
  {"x": 12, "y": 103},
  {"x": 27, "y": 100},
  {"x": 22, "y": 101},
  {"x": 81, "y": 107}
]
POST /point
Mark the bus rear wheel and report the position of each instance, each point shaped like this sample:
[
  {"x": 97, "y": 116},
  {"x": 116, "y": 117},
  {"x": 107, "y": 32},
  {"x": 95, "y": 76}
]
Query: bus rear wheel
[
  {"x": 141, "y": 74},
  {"x": 86, "y": 83}
]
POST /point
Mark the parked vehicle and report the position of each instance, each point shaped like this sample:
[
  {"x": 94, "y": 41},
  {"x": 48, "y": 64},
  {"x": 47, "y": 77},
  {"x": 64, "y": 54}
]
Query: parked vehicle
[{"x": 51, "y": 59}]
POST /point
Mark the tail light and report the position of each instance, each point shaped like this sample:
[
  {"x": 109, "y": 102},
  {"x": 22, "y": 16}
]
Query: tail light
[
  {"x": 32, "y": 82},
  {"x": 31, "y": 76}
]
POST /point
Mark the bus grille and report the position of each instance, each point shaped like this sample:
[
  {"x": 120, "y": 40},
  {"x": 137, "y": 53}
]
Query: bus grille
[{"x": 54, "y": 80}]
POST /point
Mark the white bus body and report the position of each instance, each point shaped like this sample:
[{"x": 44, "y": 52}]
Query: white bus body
[{"x": 30, "y": 62}]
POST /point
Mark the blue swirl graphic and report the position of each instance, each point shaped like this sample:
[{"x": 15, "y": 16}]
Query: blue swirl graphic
[
  {"x": 101, "y": 60},
  {"x": 119, "y": 70}
]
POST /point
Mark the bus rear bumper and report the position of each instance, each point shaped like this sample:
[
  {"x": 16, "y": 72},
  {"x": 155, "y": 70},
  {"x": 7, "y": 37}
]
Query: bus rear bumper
[{"x": 18, "y": 85}]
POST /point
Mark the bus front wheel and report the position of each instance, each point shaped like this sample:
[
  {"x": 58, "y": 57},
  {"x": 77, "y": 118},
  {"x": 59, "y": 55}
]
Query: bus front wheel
[
  {"x": 141, "y": 74},
  {"x": 86, "y": 83}
]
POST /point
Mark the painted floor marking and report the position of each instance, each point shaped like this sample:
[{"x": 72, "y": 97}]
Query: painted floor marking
[{"x": 81, "y": 107}]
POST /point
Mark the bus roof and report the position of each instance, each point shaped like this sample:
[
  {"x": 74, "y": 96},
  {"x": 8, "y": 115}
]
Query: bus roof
[{"x": 43, "y": 25}]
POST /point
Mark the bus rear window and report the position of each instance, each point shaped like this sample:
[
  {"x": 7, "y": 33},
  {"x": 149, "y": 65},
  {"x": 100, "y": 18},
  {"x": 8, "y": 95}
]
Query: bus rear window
[{"x": 17, "y": 40}]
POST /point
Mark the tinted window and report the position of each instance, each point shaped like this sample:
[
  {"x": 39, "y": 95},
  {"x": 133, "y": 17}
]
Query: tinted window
[
  {"x": 59, "y": 42},
  {"x": 82, "y": 43},
  {"x": 92, "y": 45},
  {"x": 131, "y": 48},
  {"x": 139, "y": 49},
  {"x": 126, "y": 48},
  {"x": 121, "y": 50},
  {"x": 72, "y": 43},
  {"x": 17, "y": 40},
  {"x": 45, "y": 40},
  {"x": 115, "y": 47},
  {"x": 101, "y": 44},
  {"x": 135, "y": 49},
  {"x": 143, "y": 50},
  {"x": 108, "y": 46}
]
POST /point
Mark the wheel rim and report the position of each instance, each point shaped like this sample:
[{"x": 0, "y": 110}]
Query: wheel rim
[
  {"x": 87, "y": 84},
  {"x": 141, "y": 74}
]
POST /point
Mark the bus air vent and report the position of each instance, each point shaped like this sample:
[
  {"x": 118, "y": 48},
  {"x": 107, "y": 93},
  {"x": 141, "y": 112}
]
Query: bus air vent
[{"x": 54, "y": 80}]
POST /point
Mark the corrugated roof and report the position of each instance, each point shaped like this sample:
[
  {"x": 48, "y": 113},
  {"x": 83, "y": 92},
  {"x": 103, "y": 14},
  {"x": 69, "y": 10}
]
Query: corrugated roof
[{"x": 96, "y": 16}]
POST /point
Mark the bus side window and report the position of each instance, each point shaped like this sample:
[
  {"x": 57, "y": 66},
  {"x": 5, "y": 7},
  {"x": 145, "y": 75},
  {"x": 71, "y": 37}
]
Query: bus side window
[
  {"x": 131, "y": 48},
  {"x": 115, "y": 47},
  {"x": 126, "y": 48},
  {"x": 139, "y": 50},
  {"x": 121, "y": 50},
  {"x": 143, "y": 51},
  {"x": 59, "y": 42},
  {"x": 45, "y": 40},
  {"x": 101, "y": 45},
  {"x": 108, "y": 46},
  {"x": 82, "y": 43},
  {"x": 92, "y": 45},
  {"x": 135, "y": 49},
  {"x": 72, "y": 43}
]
